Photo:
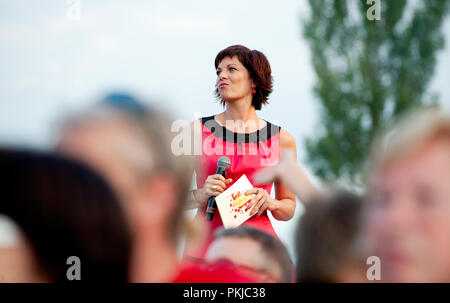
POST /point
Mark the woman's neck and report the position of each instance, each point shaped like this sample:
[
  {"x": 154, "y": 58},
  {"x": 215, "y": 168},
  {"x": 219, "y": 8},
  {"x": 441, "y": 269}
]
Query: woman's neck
[
  {"x": 240, "y": 110},
  {"x": 240, "y": 116}
]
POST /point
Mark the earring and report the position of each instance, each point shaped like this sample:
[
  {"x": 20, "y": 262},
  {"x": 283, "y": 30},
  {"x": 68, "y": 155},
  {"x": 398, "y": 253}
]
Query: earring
[{"x": 254, "y": 91}]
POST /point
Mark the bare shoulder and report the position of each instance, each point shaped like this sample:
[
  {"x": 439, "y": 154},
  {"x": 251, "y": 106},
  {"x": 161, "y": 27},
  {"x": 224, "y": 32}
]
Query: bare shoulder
[{"x": 287, "y": 140}]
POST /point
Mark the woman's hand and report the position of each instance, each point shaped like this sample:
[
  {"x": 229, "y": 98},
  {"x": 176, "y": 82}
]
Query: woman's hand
[
  {"x": 214, "y": 186},
  {"x": 260, "y": 202}
]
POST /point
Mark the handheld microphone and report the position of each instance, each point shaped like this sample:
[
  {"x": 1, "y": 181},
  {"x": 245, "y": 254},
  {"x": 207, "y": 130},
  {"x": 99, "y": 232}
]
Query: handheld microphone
[{"x": 222, "y": 165}]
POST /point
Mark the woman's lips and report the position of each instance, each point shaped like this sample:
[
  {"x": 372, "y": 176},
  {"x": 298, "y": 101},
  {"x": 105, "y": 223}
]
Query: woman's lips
[{"x": 222, "y": 85}]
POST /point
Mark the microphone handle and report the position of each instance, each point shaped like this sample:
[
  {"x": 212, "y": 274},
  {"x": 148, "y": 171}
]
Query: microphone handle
[{"x": 212, "y": 206}]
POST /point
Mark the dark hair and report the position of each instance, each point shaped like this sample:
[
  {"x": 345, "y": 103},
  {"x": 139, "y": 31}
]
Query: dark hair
[
  {"x": 65, "y": 209},
  {"x": 272, "y": 247},
  {"x": 258, "y": 67},
  {"x": 326, "y": 236}
]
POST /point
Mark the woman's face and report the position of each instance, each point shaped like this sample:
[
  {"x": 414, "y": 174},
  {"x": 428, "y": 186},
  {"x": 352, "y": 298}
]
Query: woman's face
[{"x": 233, "y": 80}]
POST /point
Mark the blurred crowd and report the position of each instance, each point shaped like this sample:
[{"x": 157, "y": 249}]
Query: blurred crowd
[{"x": 112, "y": 193}]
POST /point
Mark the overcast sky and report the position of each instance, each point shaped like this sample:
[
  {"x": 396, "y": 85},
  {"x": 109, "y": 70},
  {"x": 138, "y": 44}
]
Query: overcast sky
[{"x": 163, "y": 50}]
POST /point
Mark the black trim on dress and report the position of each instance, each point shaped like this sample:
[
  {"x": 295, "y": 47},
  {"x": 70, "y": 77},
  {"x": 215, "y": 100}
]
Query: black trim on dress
[{"x": 227, "y": 135}]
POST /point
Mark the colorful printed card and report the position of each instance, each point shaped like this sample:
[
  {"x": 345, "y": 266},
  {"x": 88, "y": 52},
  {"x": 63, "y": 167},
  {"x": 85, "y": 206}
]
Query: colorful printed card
[{"x": 233, "y": 201}]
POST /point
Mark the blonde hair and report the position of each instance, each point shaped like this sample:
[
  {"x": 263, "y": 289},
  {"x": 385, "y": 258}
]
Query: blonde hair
[
  {"x": 411, "y": 133},
  {"x": 145, "y": 148}
]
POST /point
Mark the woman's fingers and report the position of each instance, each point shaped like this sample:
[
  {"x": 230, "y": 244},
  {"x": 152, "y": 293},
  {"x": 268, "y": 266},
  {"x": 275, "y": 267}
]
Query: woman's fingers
[
  {"x": 210, "y": 192},
  {"x": 216, "y": 184},
  {"x": 253, "y": 191},
  {"x": 262, "y": 205},
  {"x": 257, "y": 202},
  {"x": 219, "y": 178},
  {"x": 222, "y": 178}
]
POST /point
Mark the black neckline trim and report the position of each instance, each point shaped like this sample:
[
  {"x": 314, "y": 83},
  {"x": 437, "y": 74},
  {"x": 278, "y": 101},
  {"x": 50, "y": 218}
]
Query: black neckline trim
[{"x": 219, "y": 131}]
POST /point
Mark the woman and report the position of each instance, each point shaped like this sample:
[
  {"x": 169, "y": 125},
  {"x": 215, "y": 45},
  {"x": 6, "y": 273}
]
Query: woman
[{"x": 243, "y": 85}]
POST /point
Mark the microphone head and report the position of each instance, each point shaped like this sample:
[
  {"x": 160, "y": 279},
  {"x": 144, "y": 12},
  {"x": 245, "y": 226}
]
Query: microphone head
[{"x": 223, "y": 162}]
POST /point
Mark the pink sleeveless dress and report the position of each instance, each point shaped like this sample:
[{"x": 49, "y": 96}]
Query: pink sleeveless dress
[{"x": 249, "y": 153}]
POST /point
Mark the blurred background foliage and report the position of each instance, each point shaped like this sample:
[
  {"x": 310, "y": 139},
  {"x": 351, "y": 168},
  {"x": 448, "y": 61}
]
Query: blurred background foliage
[{"x": 368, "y": 73}]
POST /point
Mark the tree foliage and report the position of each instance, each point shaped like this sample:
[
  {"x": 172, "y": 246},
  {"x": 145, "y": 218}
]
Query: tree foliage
[{"x": 368, "y": 72}]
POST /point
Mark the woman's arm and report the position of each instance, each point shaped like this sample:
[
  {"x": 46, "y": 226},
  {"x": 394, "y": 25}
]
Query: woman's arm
[
  {"x": 284, "y": 203},
  {"x": 283, "y": 206}
]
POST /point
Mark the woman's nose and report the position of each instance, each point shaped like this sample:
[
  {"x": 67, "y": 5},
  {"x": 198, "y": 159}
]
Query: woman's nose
[{"x": 222, "y": 75}]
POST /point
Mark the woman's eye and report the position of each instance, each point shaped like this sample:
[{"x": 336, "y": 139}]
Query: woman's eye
[
  {"x": 217, "y": 72},
  {"x": 232, "y": 69}
]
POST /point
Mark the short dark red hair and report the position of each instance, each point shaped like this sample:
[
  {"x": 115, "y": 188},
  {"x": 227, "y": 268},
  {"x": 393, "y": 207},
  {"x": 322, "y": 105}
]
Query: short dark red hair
[{"x": 259, "y": 70}]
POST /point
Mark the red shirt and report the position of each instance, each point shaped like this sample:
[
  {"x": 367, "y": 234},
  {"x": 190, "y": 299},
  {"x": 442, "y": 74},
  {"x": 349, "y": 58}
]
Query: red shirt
[{"x": 211, "y": 273}]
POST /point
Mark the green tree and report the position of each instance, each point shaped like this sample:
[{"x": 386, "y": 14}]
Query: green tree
[{"x": 368, "y": 72}]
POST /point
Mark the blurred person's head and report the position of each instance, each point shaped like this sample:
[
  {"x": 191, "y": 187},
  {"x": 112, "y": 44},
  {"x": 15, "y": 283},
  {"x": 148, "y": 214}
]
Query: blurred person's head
[
  {"x": 260, "y": 255},
  {"x": 56, "y": 208},
  {"x": 408, "y": 209},
  {"x": 327, "y": 239},
  {"x": 242, "y": 72},
  {"x": 130, "y": 144}
]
